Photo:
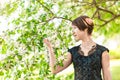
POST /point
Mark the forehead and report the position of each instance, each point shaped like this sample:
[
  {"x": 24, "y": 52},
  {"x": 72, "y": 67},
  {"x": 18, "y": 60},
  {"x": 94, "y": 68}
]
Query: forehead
[{"x": 73, "y": 26}]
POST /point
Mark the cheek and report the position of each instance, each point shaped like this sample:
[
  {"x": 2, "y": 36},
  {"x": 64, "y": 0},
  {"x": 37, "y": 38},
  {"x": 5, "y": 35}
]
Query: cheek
[{"x": 79, "y": 32}]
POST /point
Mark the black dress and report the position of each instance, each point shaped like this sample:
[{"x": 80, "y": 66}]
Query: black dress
[{"x": 87, "y": 67}]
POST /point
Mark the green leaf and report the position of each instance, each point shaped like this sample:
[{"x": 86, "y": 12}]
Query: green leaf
[
  {"x": 1, "y": 73},
  {"x": 4, "y": 48}
]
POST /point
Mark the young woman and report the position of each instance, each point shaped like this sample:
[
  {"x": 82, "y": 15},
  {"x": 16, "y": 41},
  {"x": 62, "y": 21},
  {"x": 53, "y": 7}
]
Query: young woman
[{"x": 88, "y": 58}]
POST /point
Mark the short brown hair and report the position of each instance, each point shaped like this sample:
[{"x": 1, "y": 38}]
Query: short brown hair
[{"x": 84, "y": 22}]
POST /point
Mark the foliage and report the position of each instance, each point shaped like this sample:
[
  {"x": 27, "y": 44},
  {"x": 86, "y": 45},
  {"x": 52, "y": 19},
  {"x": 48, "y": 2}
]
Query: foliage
[
  {"x": 115, "y": 73},
  {"x": 37, "y": 19},
  {"x": 115, "y": 53}
]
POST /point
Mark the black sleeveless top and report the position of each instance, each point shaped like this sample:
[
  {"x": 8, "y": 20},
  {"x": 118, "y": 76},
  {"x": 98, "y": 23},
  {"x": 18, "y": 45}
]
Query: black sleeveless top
[{"x": 87, "y": 67}]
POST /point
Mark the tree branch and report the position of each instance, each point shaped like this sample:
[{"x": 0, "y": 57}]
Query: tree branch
[
  {"x": 110, "y": 20},
  {"x": 105, "y": 10},
  {"x": 54, "y": 18},
  {"x": 94, "y": 13},
  {"x": 98, "y": 8},
  {"x": 102, "y": 19},
  {"x": 46, "y": 7}
]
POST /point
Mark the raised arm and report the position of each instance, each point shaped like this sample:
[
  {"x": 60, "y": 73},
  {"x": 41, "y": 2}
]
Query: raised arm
[
  {"x": 106, "y": 66},
  {"x": 67, "y": 61}
]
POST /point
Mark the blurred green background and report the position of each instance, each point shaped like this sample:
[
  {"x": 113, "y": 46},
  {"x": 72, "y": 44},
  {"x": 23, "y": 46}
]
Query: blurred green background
[{"x": 25, "y": 23}]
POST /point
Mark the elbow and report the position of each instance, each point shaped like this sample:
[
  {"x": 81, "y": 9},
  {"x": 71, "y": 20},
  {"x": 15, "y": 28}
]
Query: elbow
[{"x": 54, "y": 71}]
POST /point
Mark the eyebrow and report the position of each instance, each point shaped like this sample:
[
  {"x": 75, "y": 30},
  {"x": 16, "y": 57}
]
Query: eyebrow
[{"x": 73, "y": 26}]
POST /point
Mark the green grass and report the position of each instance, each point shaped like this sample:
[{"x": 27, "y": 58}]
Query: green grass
[{"x": 115, "y": 72}]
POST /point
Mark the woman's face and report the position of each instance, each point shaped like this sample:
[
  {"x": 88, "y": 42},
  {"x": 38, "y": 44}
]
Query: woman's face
[{"x": 77, "y": 33}]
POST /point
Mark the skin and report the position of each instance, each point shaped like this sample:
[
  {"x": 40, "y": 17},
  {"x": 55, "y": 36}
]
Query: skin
[{"x": 86, "y": 41}]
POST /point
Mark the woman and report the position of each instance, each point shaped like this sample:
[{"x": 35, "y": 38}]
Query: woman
[{"x": 88, "y": 58}]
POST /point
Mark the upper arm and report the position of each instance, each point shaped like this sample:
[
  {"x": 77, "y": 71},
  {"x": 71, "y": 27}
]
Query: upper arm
[
  {"x": 66, "y": 62},
  {"x": 106, "y": 65},
  {"x": 105, "y": 59}
]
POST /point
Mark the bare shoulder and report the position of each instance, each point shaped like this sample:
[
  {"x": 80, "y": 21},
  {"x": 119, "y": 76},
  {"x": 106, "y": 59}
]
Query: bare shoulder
[
  {"x": 105, "y": 58},
  {"x": 68, "y": 56},
  {"x": 105, "y": 54}
]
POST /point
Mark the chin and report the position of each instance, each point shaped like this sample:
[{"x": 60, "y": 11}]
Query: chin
[{"x": 77, "y": 40}]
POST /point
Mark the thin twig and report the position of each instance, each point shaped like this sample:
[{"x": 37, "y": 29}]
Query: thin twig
[
  {"x": 105, "y": 10},
  {"x": 94, "y": 13},
  {"x": 46, "y": 8},
  {"x": 110, "y": 20},
  {"x": 55, "y": 18}
]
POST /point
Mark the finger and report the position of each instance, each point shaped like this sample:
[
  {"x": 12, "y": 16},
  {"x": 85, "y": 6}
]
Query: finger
[{"x": 46, "y": 41}]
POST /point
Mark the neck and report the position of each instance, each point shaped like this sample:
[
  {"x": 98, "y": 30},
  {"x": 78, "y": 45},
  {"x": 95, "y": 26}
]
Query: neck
[{"x": 87, "y": 41}]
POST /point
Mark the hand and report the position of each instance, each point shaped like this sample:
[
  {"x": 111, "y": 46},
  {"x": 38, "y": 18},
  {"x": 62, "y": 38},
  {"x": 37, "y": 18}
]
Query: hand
[{"x": 47, "y": 43}]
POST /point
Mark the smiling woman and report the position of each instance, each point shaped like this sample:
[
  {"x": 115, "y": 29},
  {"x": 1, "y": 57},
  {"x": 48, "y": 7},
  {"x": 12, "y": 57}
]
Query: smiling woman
[{"x": 88, "y": 58}]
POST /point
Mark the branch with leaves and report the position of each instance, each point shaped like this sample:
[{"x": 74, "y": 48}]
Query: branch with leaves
[{"x": 97, "y": 12}]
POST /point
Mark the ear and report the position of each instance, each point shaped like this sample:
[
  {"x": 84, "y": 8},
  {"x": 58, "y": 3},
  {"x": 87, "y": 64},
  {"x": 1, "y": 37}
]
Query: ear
[{"x": 86, "y": 30}]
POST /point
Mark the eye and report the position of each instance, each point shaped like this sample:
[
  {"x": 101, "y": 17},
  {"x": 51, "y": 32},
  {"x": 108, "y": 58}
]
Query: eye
[{"x": 75, "y": 27}]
